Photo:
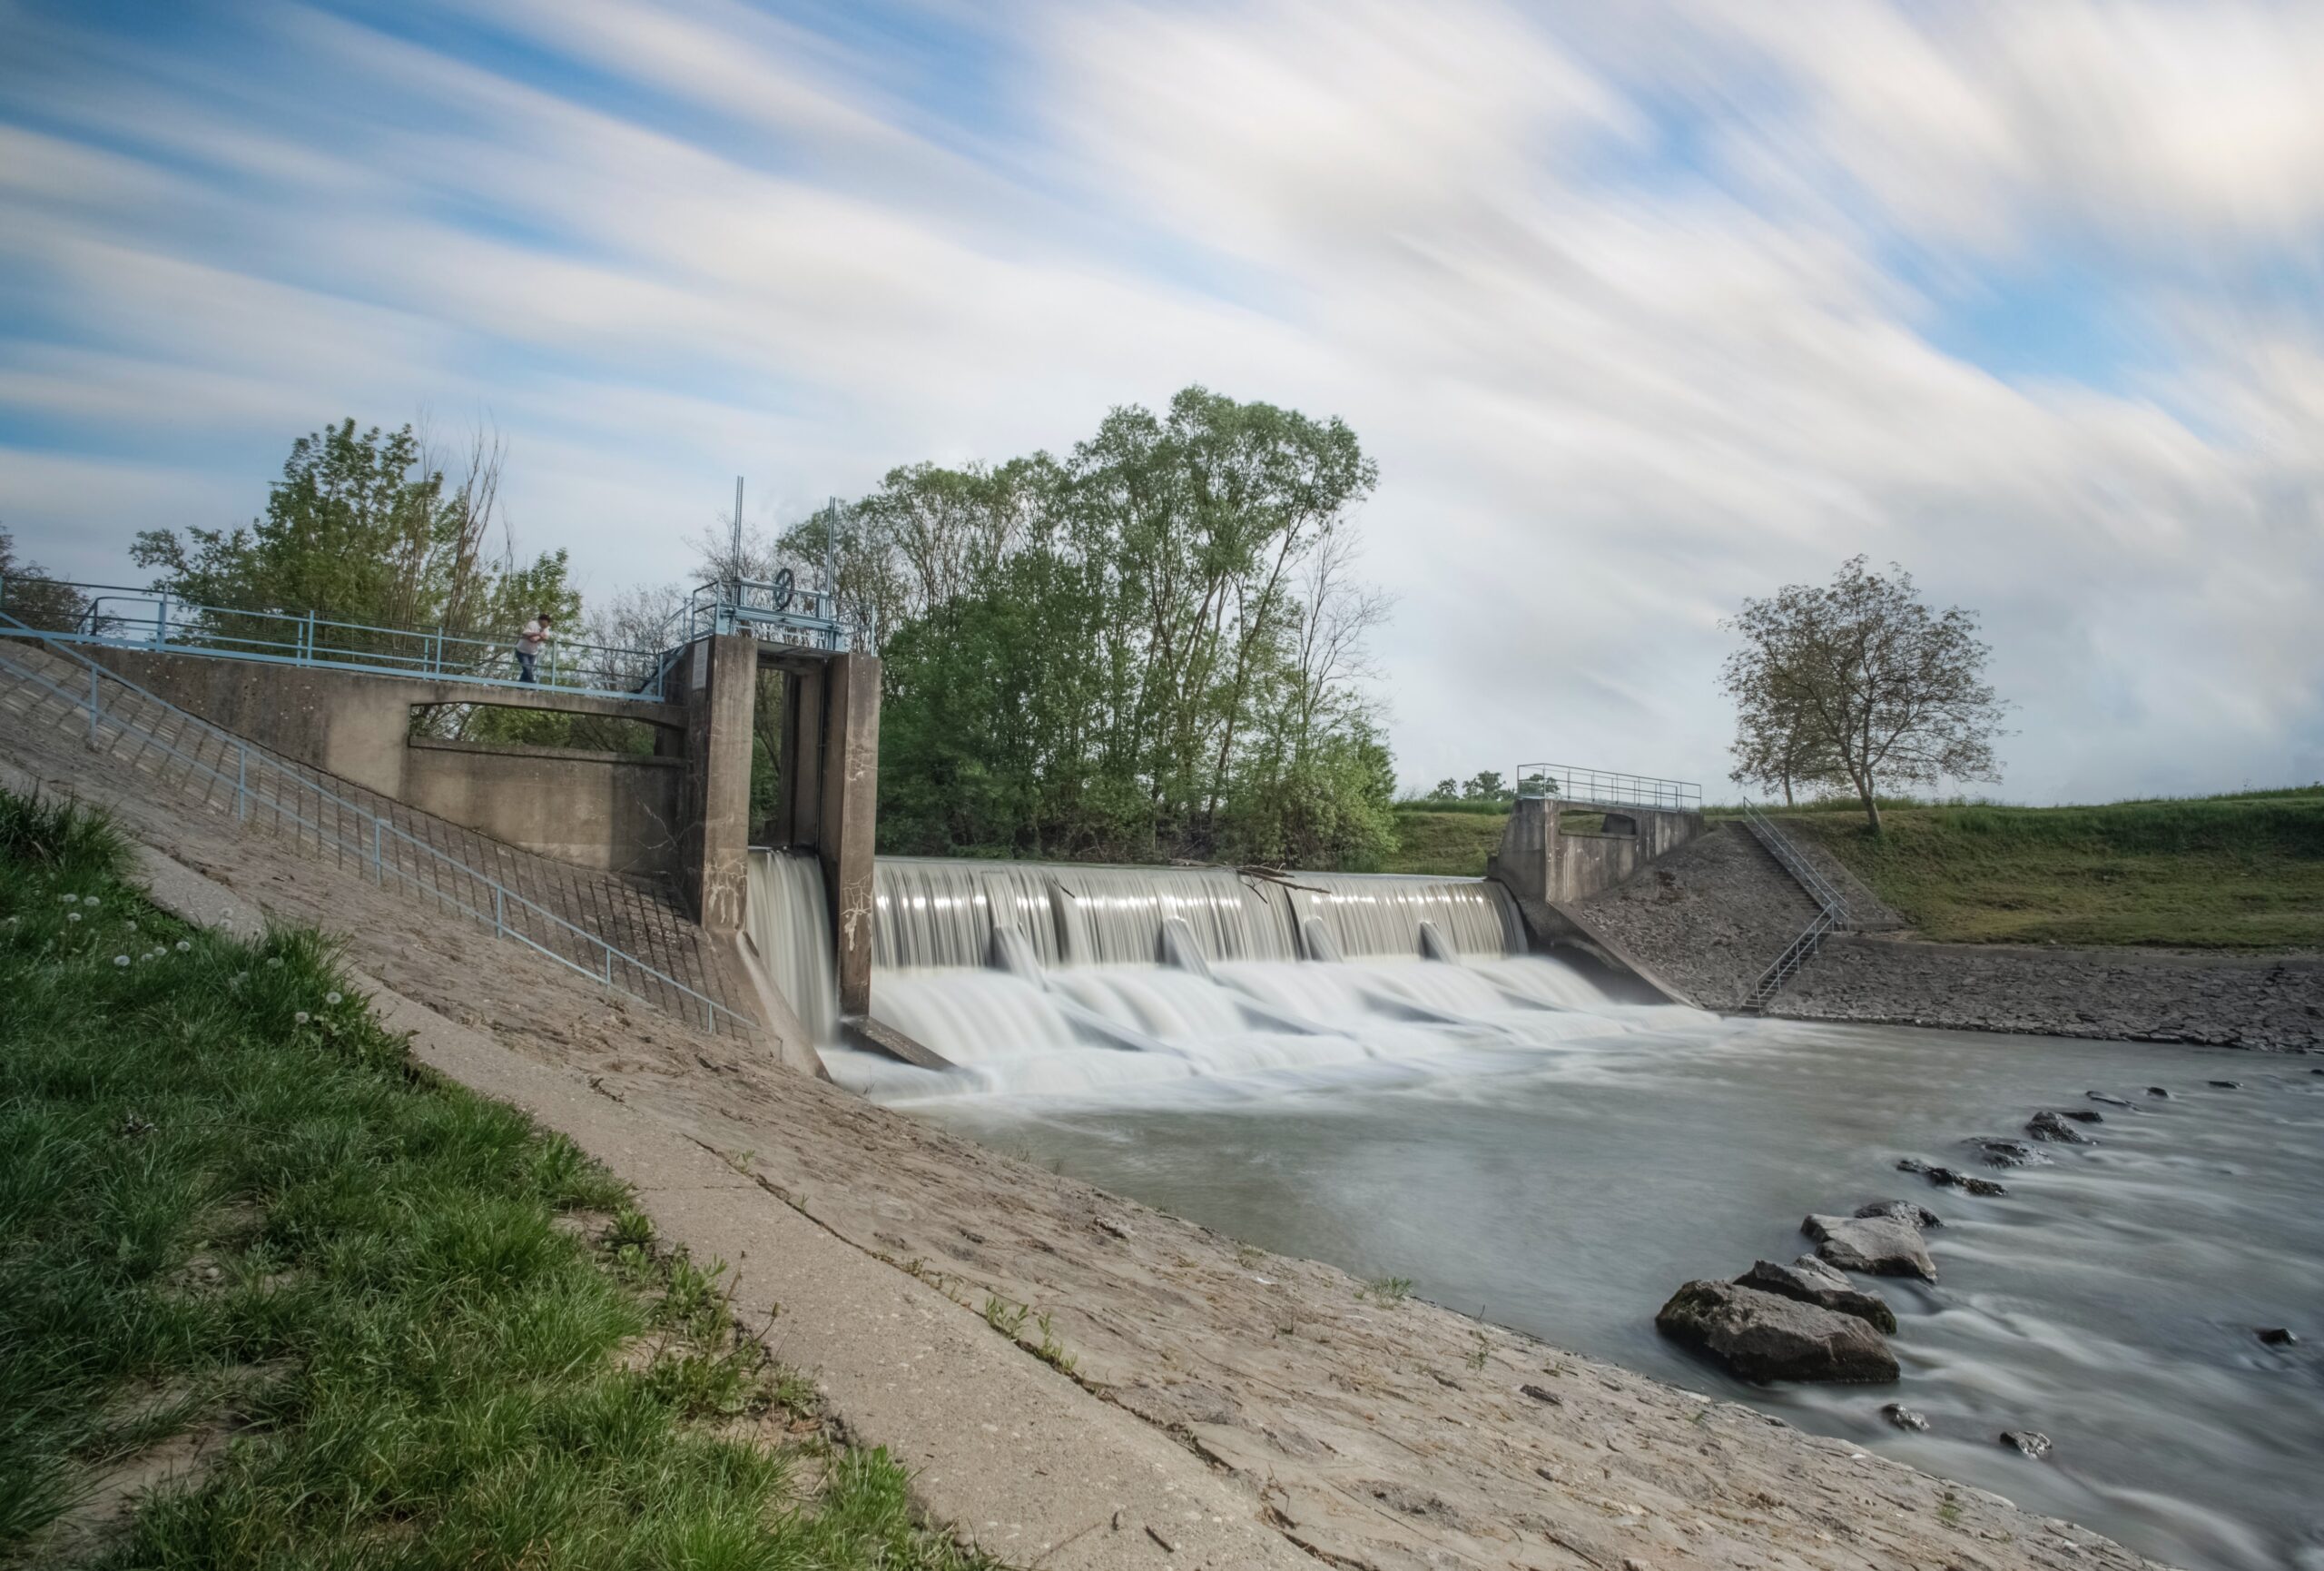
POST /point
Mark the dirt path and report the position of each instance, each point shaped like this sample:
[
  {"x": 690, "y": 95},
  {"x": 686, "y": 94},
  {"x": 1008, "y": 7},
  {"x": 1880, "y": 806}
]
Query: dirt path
[{"x": 1367, "y": 1435}]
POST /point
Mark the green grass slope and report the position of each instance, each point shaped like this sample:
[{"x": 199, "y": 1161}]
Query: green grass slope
[
  {"x": 230, "y": 1208},
  {"x": 2243, "y": 872},
  {"x": 1454, "y": 843}
]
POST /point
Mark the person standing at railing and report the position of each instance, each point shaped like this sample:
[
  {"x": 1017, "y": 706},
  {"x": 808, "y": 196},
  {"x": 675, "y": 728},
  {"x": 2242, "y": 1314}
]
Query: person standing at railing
[{"x": 529, "y": 644}]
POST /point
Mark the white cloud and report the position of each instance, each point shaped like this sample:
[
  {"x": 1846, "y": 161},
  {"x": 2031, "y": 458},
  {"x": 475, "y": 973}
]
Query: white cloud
[{"x": 1611, "y": 395}]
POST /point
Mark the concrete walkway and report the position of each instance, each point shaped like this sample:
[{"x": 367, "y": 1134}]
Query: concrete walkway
[{"x": 1013, "y": 1455}]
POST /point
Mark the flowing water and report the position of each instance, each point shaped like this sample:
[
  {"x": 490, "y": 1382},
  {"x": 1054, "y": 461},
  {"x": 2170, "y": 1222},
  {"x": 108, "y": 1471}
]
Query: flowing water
[{"x": 1505, "y": 1132}]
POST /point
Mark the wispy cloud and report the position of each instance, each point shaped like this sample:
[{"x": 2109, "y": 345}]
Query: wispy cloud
[{"x": 1642, "y": 311}]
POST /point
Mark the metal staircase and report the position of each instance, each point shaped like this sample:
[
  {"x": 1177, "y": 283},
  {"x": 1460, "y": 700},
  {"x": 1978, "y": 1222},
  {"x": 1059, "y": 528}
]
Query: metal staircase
[
  {"x": 50, "y": 691},
  {"x": 1831, "y": 910}
]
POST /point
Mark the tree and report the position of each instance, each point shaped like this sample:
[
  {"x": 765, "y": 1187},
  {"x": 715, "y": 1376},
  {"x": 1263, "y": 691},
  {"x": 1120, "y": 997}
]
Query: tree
[
  {"x": 1153, "y": 647},
  {"x": 1446, "y": 790},
  {"x": 366, "y": 530},
  {"x": 28, "y": 594},
  {"x": 1859, "y": 682},
  {"x": 1486, "y": 785}
]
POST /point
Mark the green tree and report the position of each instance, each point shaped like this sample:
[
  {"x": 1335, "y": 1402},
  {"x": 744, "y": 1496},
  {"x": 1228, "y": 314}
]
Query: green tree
[
  {"x": 1859, "y": 681},
  {"x": 1151, "y": 647},
  {"x": 364, "y": 528},
  {"x": 1486, "y": 785}
]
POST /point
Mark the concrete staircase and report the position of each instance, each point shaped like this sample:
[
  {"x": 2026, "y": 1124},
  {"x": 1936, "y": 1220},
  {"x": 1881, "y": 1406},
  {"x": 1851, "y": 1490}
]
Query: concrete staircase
[{"x": 75, "y": 718}]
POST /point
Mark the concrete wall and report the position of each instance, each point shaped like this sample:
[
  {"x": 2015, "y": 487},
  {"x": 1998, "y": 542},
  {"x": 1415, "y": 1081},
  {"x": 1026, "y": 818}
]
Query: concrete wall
[
  {"x": 597, "y": 810},
  {"x": 719, "y": 681},
  {"x": 613, "y": 811},
  {"x": 1541, "y": 861}
]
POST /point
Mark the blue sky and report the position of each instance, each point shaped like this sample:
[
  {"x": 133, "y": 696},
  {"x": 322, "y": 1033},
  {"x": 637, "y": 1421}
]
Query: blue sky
[{"x": 1642, "y": 309}]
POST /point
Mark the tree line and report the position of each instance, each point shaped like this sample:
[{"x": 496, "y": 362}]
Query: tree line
[{"x": 1151, "y": 647}]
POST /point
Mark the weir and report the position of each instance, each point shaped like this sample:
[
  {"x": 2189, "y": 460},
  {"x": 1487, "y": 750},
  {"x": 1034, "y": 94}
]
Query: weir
[{"x": 1040, "y": 976}]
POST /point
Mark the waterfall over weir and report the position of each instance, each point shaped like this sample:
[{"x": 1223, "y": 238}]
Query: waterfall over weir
[{"x": 1061, "y": 979}]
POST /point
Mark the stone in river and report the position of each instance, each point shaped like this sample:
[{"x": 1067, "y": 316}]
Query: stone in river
[
  {"x": 1811, "y": 1281},
  {"x": 2227, "y": 1084},
  {"x": 2028, "y": 1442},
  {"x": 1767, "y": 1337},
  {"x": 2108, "y": 1098},
  {"x": 1883, "y": 1246},
  {"x": 1903, "y": 1418},
  {"x": 2081, "y": 1114},
  {"x": 2276, "y": 1336},
  {"x": 2006, "y": 1153},
  {"x": 1902, "y": 1210},
  {"x": 2049, "y": 1126},
  {"x": 2165, "y": 1094}
]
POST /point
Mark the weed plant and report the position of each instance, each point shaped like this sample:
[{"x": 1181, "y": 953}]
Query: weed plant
[{"x": 228, "y": 1200}]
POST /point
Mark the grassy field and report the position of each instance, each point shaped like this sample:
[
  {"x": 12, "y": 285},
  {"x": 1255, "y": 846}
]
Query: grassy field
[
  {"x": 2242, "y": 872},
  {"x": 407, "y": 1325}
]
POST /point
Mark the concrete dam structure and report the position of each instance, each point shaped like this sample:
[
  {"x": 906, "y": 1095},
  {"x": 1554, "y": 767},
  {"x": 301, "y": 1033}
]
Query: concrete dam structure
[{"x": 830, "y": 946}]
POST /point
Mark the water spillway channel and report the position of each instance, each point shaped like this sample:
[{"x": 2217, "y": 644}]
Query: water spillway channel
[{"x": 1371, "y": 1073}]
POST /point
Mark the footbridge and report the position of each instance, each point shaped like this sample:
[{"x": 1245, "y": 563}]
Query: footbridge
[{"x": 355, "y": 711}]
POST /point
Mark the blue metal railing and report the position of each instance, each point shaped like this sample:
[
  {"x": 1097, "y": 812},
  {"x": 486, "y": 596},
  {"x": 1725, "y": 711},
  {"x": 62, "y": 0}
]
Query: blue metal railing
[
  {"x": 255, "y": 771},
  {"x": 1608, "y": 788},
  {"x": 120, "y": 617},
  {"x": 772, "y": 610}
]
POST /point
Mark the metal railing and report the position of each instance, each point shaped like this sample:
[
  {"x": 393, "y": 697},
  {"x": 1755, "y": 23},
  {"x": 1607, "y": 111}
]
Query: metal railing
[
  {"x": 772, "y": 610},
  {"x": 1607, "y": 788},
  {"x": 255, "y": 770},
  {"x": 125, "y": 618},
  {"x": 1831, "y": 910}
]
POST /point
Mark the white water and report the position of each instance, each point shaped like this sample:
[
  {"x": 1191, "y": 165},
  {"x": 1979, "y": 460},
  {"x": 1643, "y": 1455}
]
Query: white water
[
  {"x": 1498, "y": 1126},
  {"x": 785, "y": 918}
]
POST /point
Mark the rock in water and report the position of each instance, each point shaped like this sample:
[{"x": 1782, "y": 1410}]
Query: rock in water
[
  {"x": 2006, "y": 1152},
  {"x": 1767, "y": 1337},
  {"x": 2164, "y": 1094},
  {"x": 1902, "y": 1210},
  {"x": 1903, "y": 1418},
  {"x": 2049, "y": 1126},
  {"x": 2276, "y": 1336},
  {"x": 2081, "y": 1114},
  {"x": 2109, "y": 1099},
  {"x": 1883, "y": 1246},
  {"x": 2226, "y": 1084},
  {"x": 2029, "y": 1442},
  {"x": 1811, "y": 1281},
  {"x": 1977, "y": 1186}
]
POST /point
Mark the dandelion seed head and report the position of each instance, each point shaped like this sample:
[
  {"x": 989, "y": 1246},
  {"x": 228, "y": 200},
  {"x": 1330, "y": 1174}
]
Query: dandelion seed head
[
  {"x": 331, "y": 998},
  {"x": 275, "y": 964},
  {"x": 299, "y": 1018},
  {"x": 72, "y": 916},
  {"x": 120, "y": 960},
  {"x": 185, "y": 944},
  {"x": 92, "y": 903},
  {"x": 70, "y": 899}
]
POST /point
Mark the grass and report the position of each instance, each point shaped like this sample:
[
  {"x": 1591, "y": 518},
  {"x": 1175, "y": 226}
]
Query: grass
[
  {"x": 230, "y": 1205},
  {"x": 1452, "y": 842},
  {"x": 2237, "y": 872}
]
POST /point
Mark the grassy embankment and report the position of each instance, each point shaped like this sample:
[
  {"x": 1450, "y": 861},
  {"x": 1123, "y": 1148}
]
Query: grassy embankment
[
  {"x": 361, "y": 1315},
  {"x": 2235, "y": 871},
  {"x": 2240, "y": 872}
]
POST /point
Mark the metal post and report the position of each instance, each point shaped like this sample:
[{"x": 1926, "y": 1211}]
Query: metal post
[
  {"x": 162, "y": 621},
  {"x": 93, "y": 705},
  {"x": 736, "y": 569}
]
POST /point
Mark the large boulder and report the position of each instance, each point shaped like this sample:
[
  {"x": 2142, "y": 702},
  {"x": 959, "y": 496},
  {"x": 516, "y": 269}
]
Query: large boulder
[
  {"x": 1811, "y": 1281},
  {"x": 1884, "y": 1246},
  {"x": 1765, "y": 1336}
]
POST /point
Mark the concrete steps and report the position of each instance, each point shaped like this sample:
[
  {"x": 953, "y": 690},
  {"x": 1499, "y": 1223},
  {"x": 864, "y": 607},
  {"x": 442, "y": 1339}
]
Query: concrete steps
[{"x": 43, "y": 703}]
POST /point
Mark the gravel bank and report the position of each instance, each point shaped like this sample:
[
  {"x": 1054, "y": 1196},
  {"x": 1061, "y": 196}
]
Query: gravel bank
[{"x": 2270, "y": 1005}]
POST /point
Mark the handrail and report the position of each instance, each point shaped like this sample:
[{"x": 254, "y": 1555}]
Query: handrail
[
  {"x": 381, "y": 829},
  {"x": 1607, "y": 788},
  {"x": 156, "y": 620},
  {"x": 1831, "y": 910}
]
